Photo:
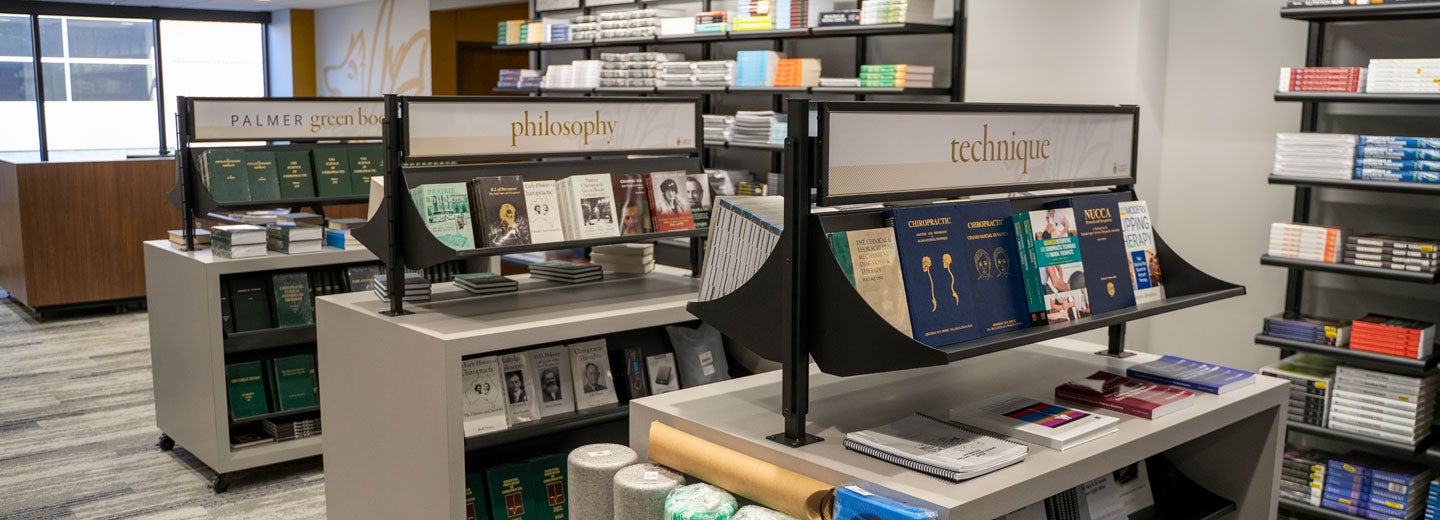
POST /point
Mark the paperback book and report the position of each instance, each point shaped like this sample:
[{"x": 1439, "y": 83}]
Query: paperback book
[
  {"x": 697, "y": 187},
  {"x": 543, "y": 207},
  {"x": 553, "y": 366},
  {"x": 936, "y": 447},
  {"x": 630, "y": 196},
  {"x": 590, "y": 370},
  {"x": 1035, "y": 421},
  {"x": 1144, "y": 254},
  {"x": 484, "y": 395},
  {"x": 445, "y": 209},
  {"x": 870, "y": 260},
  {"x": 669, "y": 207},
  {"x": 1053, "y": 266},
  {"x": 1125, "y": 395},
  {"x": 587, "y": 207},
  {"x": 1192, "y": 375},
  {"x": 500, "y": 211},
  {"x": 520, "y": 402},
  {"x": 1102, "y": 245}
]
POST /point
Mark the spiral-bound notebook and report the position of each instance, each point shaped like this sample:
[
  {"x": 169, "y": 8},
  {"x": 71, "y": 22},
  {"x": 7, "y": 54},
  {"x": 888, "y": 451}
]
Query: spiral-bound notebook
[{"x": 936, "y": 447}]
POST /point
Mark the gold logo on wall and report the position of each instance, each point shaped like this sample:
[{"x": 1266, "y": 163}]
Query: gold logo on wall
[{"x": 376, "y": 64}]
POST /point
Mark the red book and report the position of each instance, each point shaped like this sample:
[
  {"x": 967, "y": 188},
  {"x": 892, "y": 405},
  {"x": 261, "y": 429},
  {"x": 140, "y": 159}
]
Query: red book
[
  {"x": 669, "y": 201},
  {"x": 1125, "y": 395}
]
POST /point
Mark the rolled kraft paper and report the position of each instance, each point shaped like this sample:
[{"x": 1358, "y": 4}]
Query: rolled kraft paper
[
  {"x": 640, "y": 491},
  {"x": 591, "y": 478},
  {"x": 767, "y": 484}
]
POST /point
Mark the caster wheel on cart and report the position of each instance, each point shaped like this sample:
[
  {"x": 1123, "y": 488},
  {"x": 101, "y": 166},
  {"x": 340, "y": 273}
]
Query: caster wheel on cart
[
  {"x": 165, "y": 443},
  {"x": 219, "y": 484}
]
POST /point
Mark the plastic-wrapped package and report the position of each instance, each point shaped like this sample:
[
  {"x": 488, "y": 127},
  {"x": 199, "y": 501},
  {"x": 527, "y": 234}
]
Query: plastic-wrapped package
[
  {"x": 760, "y": 513},
  {"x": 853, "y": 502},
  {"x": 700, "y": 502}
]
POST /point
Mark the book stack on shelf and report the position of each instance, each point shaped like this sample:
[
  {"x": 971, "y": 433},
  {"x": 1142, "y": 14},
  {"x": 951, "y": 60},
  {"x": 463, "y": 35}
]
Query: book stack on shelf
[
  {"x": 1404, "y": 76},
  {"x": 274, "y": 385},
  {"x": 1304, "y": 242},
  {"x": 624, "y": 258},
  {"x": 585, "y": 27},
  {"x": 1401, "y": 337},
  {"x": 1322, "y": 79},
  {"x": 291, "y": 238},
  {"x": 633, "y": 23},
  {"x": 634, "y": 69},
  {"x": 238, "y": 241},
  {"x": 177, "y": 237},
  {"x": 1432, "y": 500},
  {"x": 1399, "y": 253},
  {"x": 513, "y": 32},
  {"x": 1381, "y": 405},
  {"x": 486, "y": 283},
  {"x": 579, "y": 74},
  {"x": 840, "y": 18},
  {"x": 1374, "y": 487},
  {"x": 1311, "y": 379},
  {"x": 897, "y": 11},
  {"x": 518, "y": 78},
  {"x": 901, "y": 76},
  {"x": 289, "y": 429},
  {"x": 1309, "y": 329},
  {"x": 338, "y": 233},
  {"x": 525, "y": 489},
  {"x": 756, "y": 68},
  {"x": 711, "y": 22},
  {"x": 1302, "y": 474},
  {"x": 712, "y": 73},
  {"x": 743, "y": 231},
  {"x": 1034, "y": 421},
  {"x": 759, "y": 127},
  {"x": 797, "y": 72},
  {"x": 566, "y": 272},
  {"x": 417, "y": 288},
  {"x": 1360, "y": 157},
  {"x": 1324, "y": 156},
  {"x": 753, "y": 15},
  {"x": 718, "y": 128},
  {"x": 1192, "y": 375},
  {"x": 936, "y": 447},
  {"x": 236, "y": 175},
  {"x": 1126, "y": 395},
  {"x": 840, "y": 82}
]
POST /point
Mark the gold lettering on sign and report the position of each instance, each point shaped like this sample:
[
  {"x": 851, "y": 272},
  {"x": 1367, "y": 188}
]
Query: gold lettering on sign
[{"x": 988, "y": 150}]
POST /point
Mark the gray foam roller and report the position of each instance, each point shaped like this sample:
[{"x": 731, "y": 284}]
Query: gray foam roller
[
  {"x": 640, "y": 490},
  {"x": 592, "y": 471}
]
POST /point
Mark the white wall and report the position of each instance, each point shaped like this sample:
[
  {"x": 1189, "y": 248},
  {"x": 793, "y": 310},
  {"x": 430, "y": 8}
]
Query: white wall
[{"x": 374, "y": 48}]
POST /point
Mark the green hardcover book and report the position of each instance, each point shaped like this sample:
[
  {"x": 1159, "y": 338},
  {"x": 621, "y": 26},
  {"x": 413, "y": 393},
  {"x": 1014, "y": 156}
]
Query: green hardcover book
[
  {"x": 475, "y": 504},
  {"x": 227, "y": 321},
  {"x": 225, "y": 174},
  {"x": 250, "y": 304},
  {"x": 332, "y": 172},
  {"x": 297, "y": 177},
  {"x": 547, "y": 486},
  {"x": 840, "y": 245},
  {"x": 291, "y": 292},
  {"x": 506, "y": 485},
  {"x": 294, "y": 383},
  {"x": 245, "y": 384},
  {"x": 365, "y": 162},
  {"x": 264, "y": 180}
]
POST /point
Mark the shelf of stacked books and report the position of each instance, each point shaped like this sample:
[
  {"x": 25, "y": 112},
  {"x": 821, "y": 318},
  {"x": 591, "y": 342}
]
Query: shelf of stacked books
[
  {"x": 1358, "y": 97},
  {"x": 1368, "y": 443},
  {"x": 891, "y": 29},
  {"x": 231, "y": 157},
  {"x": 1396, "y": 364},
  {"x": 1321, "y": 11},
  {"x": 1357, "y": 184},
  {"x": 1350, "y": 269}
]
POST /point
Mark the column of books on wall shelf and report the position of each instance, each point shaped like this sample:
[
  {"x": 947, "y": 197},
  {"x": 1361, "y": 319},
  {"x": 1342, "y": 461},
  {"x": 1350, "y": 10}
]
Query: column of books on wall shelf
[
  {"x": 239, "y": 175},
  {"x": 1312, "y": 379},
  {"x": 1383, "y": 76},
  {"x": 1336, "y": 245},
  {"x": 506, "y": 211},
  {"x": 1356, "y": 483},
  {"x": 273, "y": 385},
  {"x": 259, "y": 301},
  {"x": 533, "y": 488},
  {"x": 1365, "y": 402},
  {"x": 507, "y": 390},
  {"x": 1377, "y": 333},
  {"x": 1358, "y": 157}
]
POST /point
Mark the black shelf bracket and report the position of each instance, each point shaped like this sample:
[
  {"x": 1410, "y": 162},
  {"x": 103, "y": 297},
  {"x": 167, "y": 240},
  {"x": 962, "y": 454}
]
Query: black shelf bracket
[
  {"x": 795, "y": 394},
  {"x": 394, "y": 181}
]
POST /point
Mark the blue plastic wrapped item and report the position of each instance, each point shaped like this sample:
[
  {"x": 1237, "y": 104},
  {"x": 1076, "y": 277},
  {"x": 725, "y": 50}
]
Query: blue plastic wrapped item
[{"x": 853, "y": 502}]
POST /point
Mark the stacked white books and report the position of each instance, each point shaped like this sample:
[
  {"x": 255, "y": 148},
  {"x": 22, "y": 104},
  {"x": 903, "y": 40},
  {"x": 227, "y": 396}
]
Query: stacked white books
[
  {"x": 1324, "y": 156},
  {"x": 624, "y": 258},
  {"x": 718, "y": 128},
  {"x": 1303, "y": 242},
  {"x": 238, "y": 241},
  {"x": 1404, "y": 76},
  {"x": 293, "y": 238},
  {"x": 559, "y": 76},
  {"x": 936, "y": 447},
  {"x": 758, "y": 127},
  {"x": 1035, "y": 421},
  {"x": 586, "y": 73},
  {"x": 1382, "y": 405},
  {"x": 743, "y": 232},
  {"x": 417, "y": 288},
  {"x": 635, "y": 69},
  {"x": 714, "y": 73}
]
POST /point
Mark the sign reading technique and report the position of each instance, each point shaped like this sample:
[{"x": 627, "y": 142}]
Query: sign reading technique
[
  {"x": 279, "y": 120},
  {"x": 875, "y": 153},
  {"x": 478, "y": 128}
]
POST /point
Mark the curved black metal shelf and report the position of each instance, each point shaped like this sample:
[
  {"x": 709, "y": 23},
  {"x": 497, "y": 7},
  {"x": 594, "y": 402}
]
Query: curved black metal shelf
[
  {"x": 548, "y": 426},
  {"x": 273, "y": 415},
  {"x": 1358, "y": 97},
  {"x": 1359, "y": 185},
  {"x": 748, "y": 146},
  {"x": 1370, "y": 444},
  {"x": 1359, "y": 13},
  {"x": 1352, "y": 270},
  {"x": 897, "y": 29},
  {"x": 1360, "y": 358},
  {"x": 237, "y": 342}
]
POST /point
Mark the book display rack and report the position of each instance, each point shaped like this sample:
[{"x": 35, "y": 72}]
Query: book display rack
[
  {"x": 311, "y": 130},
  {"x": 800, "y": 305},
  {"x": 1307, "y": 203}
]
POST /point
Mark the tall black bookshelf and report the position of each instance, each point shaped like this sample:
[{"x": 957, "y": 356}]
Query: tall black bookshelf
[{"x": 1322, "y": 23}]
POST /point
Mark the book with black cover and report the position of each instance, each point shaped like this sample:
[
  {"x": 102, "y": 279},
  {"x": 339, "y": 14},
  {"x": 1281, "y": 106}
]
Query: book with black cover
[
  {"x": 500, "y": 212},
  {"x": 1102, "y": 248},
  {"x": 250, "y": 303},
  {"x": 930, "y": 240}
]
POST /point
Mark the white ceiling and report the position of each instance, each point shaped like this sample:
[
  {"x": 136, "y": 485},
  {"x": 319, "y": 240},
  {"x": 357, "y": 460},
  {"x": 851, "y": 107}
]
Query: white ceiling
[{"x": 228, "y": 5}]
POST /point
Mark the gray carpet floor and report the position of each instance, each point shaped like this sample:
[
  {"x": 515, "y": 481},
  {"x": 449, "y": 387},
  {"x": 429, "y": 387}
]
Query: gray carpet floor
[{"x": 77, "y": 433}]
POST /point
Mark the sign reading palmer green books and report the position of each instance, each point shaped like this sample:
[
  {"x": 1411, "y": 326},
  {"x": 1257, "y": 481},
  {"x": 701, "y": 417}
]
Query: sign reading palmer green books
[
  {"x": 478, "y": 128},
  {"x": 284, "y": 119}
]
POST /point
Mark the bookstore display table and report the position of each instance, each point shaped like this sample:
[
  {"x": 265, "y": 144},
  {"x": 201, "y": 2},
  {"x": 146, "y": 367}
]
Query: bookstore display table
[
  {"x": 1230, "y": 444},
  {"x": 395, "y": 445}
]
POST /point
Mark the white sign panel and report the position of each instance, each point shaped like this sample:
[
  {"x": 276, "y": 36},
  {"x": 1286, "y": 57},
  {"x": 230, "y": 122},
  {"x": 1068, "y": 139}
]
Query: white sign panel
[
  {"x": 447, "y": 129},
  {"x": 280, "y": 120},
  {"x": 872, "y": 153}
]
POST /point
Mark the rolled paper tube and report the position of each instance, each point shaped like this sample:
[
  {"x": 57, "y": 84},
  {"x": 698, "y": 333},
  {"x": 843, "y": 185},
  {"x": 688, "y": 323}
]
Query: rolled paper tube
[
  {"x": 640, "y": 491},
  {"x": 699, "y": 502},
  {"x": 765, "y": 483},
  {"x": 591, "y": 474}
]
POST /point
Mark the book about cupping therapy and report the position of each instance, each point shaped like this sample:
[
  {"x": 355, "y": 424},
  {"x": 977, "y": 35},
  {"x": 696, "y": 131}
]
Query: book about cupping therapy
[
  {"x": 988, "y": 247},
  {"x": 669, "y": 202},
  {"x": 552, "y": 364},
  {"x": 1053, "y": 266},
  {"x": 590, "y": 371},
  {"x": 1144, "y": 254},
  {"x": 501, "y": 215},
  {"x": 484, "y": 395},
  {"x": 1102, "y": 245},
  {"x": 521, "y": 404},
  {"x": 542, "y": 205},
  {"x": 871, "y": 262},
  {"x": 1192, "y": 375},
  {"x": 1034, "y": 421},
  {"x": 930, "y": 241},
  {"x": 587, "y": 207},
  {"x": 445, "y": 208},
  {"x": 1125, "y": 395},
  {"x": 633, "y": 203}
]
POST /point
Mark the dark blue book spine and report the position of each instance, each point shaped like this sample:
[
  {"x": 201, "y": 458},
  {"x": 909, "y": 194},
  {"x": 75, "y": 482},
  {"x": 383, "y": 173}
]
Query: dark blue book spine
[
  {"x": 1399, "y": 142},
  {"x": 1393, "y": 164},
  {"x": 1102, "y": 249},
  {"x": 1403, "y": 154},
  {"x": 930, "y": 242},
  {"x": 991, "y": 263},
  {"x": 1173, "y": 382}
]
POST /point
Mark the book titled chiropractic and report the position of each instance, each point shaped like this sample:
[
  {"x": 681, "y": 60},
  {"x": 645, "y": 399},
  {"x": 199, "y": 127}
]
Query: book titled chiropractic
[
  {"x": 1102, "y": 245},
  {"x": 1191, "y": 374},
  {"x": 542, "y": 203},
  {"x": 484, "y": 395},
  {"x": 932, "y": 263},
  {"x": 1034, "y": 421},
  {"x": 990, "y": 257}
]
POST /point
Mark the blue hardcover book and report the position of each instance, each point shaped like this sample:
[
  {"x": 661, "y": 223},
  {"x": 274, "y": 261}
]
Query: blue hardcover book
[
  {"x": 1399, "y": 142},
  {"x": 1337, "y": 506},
  {"x": 930, "y": 240},
  {"x": 1392, "y": 164},
  {"x": 1102, "y": 246},
  {"x": 1403, "y": 154},
  {"x": 1387, "y": 498},
  {"x": 1377, "y": 515},
  {"x": 997, "y": 289},
  {"x": 1388, "y": 507},
  {"x": 1371, "y": 174},
  {"x": 1192, "y": 375}
]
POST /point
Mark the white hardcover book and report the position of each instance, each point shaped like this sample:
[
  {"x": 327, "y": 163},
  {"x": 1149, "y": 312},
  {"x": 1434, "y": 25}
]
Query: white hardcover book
[
  {"x": 543, "y": 201},
  {"x": 590, "y": 373},
  {"x": 1375, "y": 409},
  {"x": 661, "y": 370},
  {"x": 936, "y": 447},
  {"x": 1391, "y": 403},
  {"x": 591, "y": 205},
  {"x": 484, "y": 395},
  {"x": 1035, "y": 421},
  {"x": 552, "y": 366},
  {"x": 1344, "y": 416},
  {"x": 1144, "y": 255},
  {"x": 1410, "y": 423},
  {"x": 521, "y": 403},
  {"x": 1344, "y": 371}
]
